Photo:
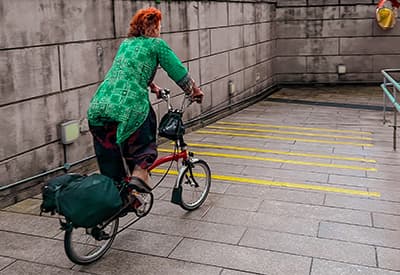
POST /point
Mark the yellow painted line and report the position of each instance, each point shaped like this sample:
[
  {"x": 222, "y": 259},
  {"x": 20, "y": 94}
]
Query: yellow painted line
[
  {"x": 285, "y": 132},
  {"x": 293, "y": 127},
  {"x": 282, "y": 184},
  {"x": 284, "y": 138},
  {"x": 297, "y": 154},
  {"x": 319, "y": 164}
]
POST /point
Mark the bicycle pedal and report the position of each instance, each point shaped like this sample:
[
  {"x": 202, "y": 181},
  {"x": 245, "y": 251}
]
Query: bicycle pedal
[{"x": 99, "y": 235}]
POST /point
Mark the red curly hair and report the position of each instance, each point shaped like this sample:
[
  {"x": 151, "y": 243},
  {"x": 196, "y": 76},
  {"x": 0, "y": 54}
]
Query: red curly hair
[{"x": 145, "y": 23}]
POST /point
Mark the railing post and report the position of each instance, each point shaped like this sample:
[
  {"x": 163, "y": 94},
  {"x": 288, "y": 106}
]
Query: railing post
[
  {"x": 392, "y": 96},
  {"x": 384, "y": 102}
]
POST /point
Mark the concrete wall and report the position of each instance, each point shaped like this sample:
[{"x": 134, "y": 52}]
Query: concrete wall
[
  {"x": 314, "y": 36},
  {"x": 54, "y": 53}
]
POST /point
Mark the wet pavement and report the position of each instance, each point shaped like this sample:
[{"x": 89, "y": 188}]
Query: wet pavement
[{"x": 304, "y": 182}]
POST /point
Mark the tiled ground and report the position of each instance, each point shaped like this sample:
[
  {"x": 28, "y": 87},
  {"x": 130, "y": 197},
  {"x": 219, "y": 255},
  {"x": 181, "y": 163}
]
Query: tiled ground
[{"x": 312, "y": 189}]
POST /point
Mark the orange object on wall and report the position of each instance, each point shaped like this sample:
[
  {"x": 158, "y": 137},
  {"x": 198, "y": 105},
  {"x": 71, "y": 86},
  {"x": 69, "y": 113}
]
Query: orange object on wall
[{"x": 386, "y": 14}]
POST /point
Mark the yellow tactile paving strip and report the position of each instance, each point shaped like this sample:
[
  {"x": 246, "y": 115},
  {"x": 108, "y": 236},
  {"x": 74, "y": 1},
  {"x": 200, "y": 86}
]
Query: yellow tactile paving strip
[{"x": 252, "y": 128}]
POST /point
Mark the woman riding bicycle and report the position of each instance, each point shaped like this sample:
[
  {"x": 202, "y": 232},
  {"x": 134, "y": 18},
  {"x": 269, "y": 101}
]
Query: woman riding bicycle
[{"x": 120, "y": 115}]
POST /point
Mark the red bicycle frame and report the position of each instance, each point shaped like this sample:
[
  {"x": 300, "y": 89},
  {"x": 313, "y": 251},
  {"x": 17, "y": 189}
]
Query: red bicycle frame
[{"x": 181, "y": 155}]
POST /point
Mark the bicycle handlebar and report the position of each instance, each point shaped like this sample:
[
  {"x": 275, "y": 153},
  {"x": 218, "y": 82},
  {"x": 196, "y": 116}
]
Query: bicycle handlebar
[{"x": 165, "y": 95}]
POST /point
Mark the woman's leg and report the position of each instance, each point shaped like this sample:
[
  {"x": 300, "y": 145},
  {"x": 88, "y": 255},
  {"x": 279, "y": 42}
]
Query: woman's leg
[
  {"x": 140, "y": 149},
  {"x": 107, "y": 152}
]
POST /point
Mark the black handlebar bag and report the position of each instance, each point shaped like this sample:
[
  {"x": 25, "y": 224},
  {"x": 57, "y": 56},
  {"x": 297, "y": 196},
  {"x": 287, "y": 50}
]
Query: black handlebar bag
[{"x": 171, "y": 125}]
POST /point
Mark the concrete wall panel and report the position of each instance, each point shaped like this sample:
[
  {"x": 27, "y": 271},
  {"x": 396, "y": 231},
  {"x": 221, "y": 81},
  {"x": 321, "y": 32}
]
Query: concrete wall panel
[
  {"x": 322, "y": 2},
  {"x": 290, "y": 65},
  {"x": 264, "y": 12},
  {"x": 29, "y": 124},
  {"x": 184, "y": 44},
  {"x": 369, "y": 45},
  {"x": 86, "y": 63},
  {"x": 31, "y": 163},
  {"x": 327, "y": 46},
  {"x": 213, "y": 14},
  {"x": 357, "y": 11},
  {"x": 179, "y": 16},
  {"x": 223, "y": 39},
  {"x": 328, "y": 64},
  {"x": 264, "y": 51},
  {"x": 288, "y": 3},
  {"x": 54, "y": 21},
  {"x": 249, "y": 13},
  {"x": 236, "y": 16},
  {"x": 214, "y": 67},
  {"x": 306, "y": 13},
  {"x": 27, "y": 73},
  {"x": 220, "y": 93},
  {"x": 249, "y": 34},
  {"x": 381, "y": 62}
]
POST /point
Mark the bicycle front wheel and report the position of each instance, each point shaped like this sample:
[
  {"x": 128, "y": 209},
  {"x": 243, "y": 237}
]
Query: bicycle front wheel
[
  {"x": 83, "y": 248},
  {"x": 195, "y": 182}
]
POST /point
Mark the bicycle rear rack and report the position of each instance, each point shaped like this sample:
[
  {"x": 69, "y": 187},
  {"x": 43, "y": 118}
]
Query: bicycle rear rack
[{"x": 390, "y": 82}]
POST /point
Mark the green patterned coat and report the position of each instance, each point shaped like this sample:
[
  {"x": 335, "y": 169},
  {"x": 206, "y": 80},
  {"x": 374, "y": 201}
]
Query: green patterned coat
[{"x": 123, "y": 95}]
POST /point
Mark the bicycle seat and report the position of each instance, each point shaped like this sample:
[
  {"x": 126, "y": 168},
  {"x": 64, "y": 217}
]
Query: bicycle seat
[{"x": 139, "y": 185}]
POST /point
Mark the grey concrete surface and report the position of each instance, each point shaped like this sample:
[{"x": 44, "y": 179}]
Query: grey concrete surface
[{"x": 267, "y": 217}]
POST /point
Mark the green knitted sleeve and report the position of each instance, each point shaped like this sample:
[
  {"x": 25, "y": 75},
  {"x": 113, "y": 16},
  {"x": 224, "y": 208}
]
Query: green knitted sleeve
[{"x": 170, "y": 62}]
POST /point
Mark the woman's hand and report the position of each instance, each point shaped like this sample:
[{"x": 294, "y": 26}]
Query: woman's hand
[
  {"x": 197, "y": 95},
  {"x": 155, "y": 89}
]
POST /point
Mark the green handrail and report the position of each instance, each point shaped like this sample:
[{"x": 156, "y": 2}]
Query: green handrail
[
  {"x": 390, "y": 78},
  {"x": 390, "y": 81},
  {"x": 391, "y": 97}
]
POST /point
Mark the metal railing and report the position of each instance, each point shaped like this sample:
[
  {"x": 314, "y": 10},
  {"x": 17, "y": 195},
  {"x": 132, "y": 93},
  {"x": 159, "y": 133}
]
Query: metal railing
[{"x": 389, "y": 82}]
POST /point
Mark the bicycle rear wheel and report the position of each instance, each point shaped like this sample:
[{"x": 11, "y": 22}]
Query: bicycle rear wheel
[
  {"x": 83, "y": 248},
  {"x": 195, "y": 182}
]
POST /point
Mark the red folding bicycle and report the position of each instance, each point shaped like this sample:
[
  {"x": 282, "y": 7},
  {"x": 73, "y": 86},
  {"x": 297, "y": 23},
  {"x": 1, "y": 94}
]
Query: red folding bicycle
[{"x": 86, "y": 245}]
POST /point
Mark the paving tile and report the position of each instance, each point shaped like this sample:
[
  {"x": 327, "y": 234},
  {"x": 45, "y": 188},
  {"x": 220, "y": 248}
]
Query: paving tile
[
  {"x": 262, "y": 220},
  {"x": 167, "y": 208},
  {"x": 367, "y": 182},
  {"x": 387, "y": 194},
  {"x": 5, "y": 262},
  {"x": 360, "y": 234},
  {"x": 117, "y": 262},
  {"x": 310, "y": 246},
  {"x": 326, "y": 170},
  {"x": 234, "y": 272},
  {"x": 29, "y": 224},
  {"x": 28, "y": 206},
  {"x": 193, "y": 229},
  {"x": 388, "y": 258},
  {"x": 34, "y": 249},
  {"x": 276, "y": 193},
  {"x": 386, "y": 221},
  {"x": 315, "y": 212},
  {"x": 362, "y": 204},
  {"x": 298, "y": 176},
  {"x": 324, "y": 267},
  {"x": 240, "y": 258},
  {"x": 146, "y": 242},
  {"x": 237, "y": 202},
  {"x": 21, "y": 267}
]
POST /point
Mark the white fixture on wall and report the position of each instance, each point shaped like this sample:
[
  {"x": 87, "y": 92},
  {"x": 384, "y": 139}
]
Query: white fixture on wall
[
  {"x": 341, "y": 69},
  {"x": 69, "y": 131}
]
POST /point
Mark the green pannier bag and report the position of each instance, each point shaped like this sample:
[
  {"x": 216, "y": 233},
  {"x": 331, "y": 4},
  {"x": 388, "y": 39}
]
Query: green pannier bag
[
  {"x": 89, "y": 200},
  {"x": 50, "y": 190}
]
